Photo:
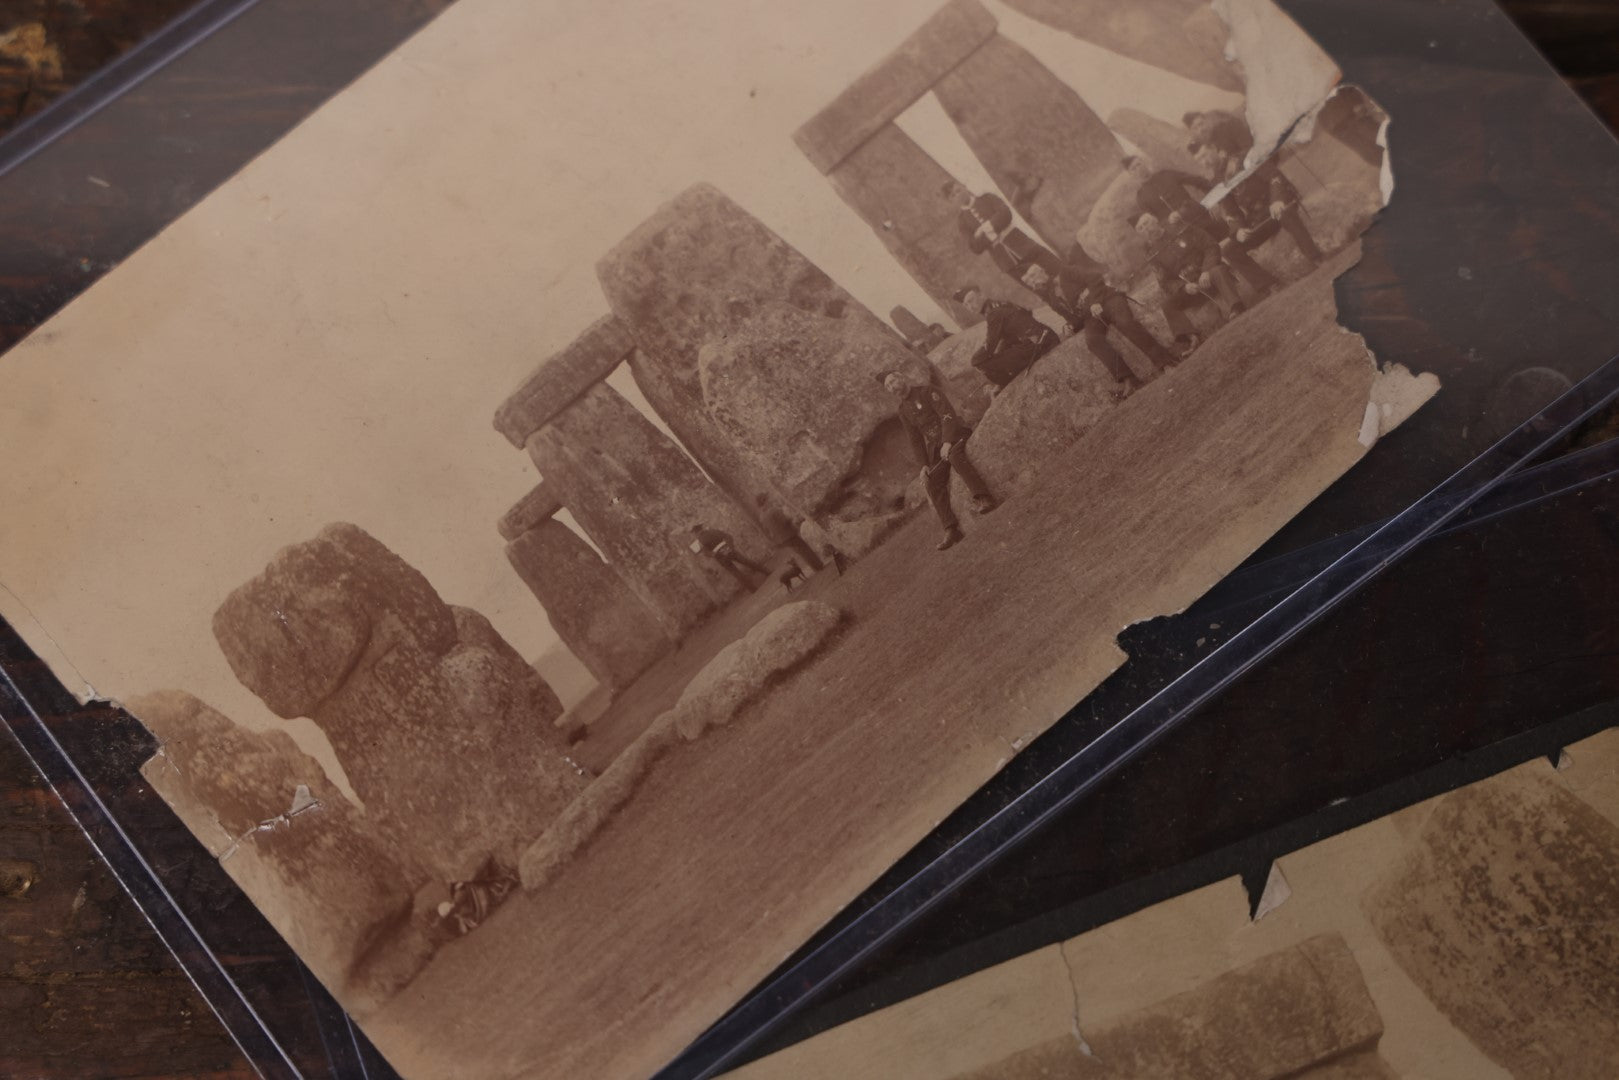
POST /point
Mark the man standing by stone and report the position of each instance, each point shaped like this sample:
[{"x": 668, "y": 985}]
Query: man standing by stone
[
  {"x": 938, "y": 438},
  {"x": 1093, "y": 307},
  {"x": 719, "y": 546},
  {"x": 1194, "y": 256},
  {"x": 1267, "y": 200},
  {"x": 987, "y": 223},
  {"x": 1169, "y": 192},
  {"x": 1013, "y": 338}
]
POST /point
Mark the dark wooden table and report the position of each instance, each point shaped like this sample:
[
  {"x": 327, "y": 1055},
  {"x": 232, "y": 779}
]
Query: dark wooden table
[{"x": 1504, "y": 619}]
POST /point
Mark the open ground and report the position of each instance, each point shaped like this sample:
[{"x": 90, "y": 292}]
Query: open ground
[{"x": 740, "y": 845}]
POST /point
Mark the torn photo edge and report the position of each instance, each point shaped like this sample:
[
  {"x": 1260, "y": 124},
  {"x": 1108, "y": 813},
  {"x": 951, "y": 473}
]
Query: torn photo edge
[{"x": 726, "y": 1044}]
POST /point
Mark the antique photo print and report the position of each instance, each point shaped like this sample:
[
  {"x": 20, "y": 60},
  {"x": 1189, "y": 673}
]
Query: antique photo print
[{"x": 598, "y": 492}]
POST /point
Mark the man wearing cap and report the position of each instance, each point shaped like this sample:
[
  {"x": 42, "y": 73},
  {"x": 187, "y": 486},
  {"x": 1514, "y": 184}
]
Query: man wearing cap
[
  {"x": 986, "y": 221},
  {"x": 1093, "y": 307},
  {"x": 938, "y": 438},
  {"x": 1013, "y": 338}
]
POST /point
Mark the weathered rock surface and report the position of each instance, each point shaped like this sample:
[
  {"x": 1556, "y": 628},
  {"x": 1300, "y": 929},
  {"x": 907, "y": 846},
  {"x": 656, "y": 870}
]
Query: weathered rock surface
[
  {"x": 1108, "y": 236},
  {"x": 591, "y": 609},
  {"x": 445, "y": 733},
  {"x": 1041, "y": 412},
  {"x": 299, "y": 849},
  {"x": 738, "y": 675},
  {"x": 1303, "y": 1013},
  {"x": 1183, "y": 36},
  {"x": 636, "y": 495},
  {"x": 695, "y": 272},
  {"x": 560, "y": 379},
  {"x": 1504, "y": 915},
  {"x": 537, "y": 506},
  {"x": 964, "y": 384},
  {"x": 1044, "y": 147},
  {"x": 899, "y": 190},
  {"x": 293, "y": 634},
  {"x": 798, "y": 393},
  {"x": 909, "y": 326},
  {"x": 1164, "y": 144},
  {"x": 746, "y": 668}
]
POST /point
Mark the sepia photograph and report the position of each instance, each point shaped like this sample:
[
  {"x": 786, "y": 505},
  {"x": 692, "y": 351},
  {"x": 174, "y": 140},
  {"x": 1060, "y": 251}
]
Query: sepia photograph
[
  {"x": 566, "y": 555},
  {"x": 1463, "y": 936}
]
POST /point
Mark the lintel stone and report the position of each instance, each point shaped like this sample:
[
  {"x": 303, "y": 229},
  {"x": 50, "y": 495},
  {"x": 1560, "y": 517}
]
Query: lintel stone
[
  {"x": 877, "y": 97},
  {"x": 537, "y": 506},
  {"x": 562, "y": 378}
]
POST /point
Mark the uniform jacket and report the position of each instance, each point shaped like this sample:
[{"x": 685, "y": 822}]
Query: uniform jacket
[
  {"x": 930, "y": 421},
  {"x": 1165, "y": 191},
  {"x": 1008, "y": 325}
]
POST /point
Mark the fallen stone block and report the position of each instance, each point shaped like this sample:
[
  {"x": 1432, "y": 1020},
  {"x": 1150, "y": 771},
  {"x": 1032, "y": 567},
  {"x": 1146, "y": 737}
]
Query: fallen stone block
[{"x": 738, "y": 675}]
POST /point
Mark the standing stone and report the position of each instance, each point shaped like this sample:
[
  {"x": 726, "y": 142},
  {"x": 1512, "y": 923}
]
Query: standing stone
[
  {"x": 637, "y": 495},
  {"x": 1109, "y": 237},
  {"x": 591, "y": 609},
  {"x": 284, "y": 833},
  {"x": 909, "y": 326},
  {"x": 1165, "y": 145},
  {"x": 798, "y": 393},
  {"x": 1044, "y": 147},
  {"x": 446, "y": 735},
  {"x": 696, "y": 272},
  {"x": 1503, "y": 914},
  {"x": 901, "y": 192},
  {"x": 1183, "y": 36},
  {"x": 890, "y": 181}
]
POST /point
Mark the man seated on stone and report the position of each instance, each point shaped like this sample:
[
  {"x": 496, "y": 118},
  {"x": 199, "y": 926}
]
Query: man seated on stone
[
  {"x": 1013, "y": 338},
  {"x": 721, "y": 547},
  {"x": 1220, "y": 142},
  {"x": 1166, "y": 191},
  {"x": 1194, "y": 256},
  {"x": 1093, "y": 307},
  {"x": 987, "y": 223},
  {"x": 1268, "y": 202},
  {"x": 1178, "y": 302},
  {"x": 938, "y": 438}
]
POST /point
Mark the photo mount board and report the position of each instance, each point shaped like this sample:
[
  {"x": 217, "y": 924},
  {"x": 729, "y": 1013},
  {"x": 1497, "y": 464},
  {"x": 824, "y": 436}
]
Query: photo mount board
[{"x": 267, "y": 1050}]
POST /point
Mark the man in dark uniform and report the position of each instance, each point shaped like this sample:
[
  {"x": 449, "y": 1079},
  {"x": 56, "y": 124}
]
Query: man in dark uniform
[
  {"x": 1194, "y": 257},
  {"x": 719, "y": 546},
  {"x": 986, "y": 221},
  {"x": 938, "y": 438},
  {"x": 1013, "y": 338},
  {"x": 1169, "y": 191},
  {"x": 1092, "y": 307},
  {"x": 1267, "y": 201},
  {"x": 1178, "y": 303},
  {"x": 1220, "y": 139}
]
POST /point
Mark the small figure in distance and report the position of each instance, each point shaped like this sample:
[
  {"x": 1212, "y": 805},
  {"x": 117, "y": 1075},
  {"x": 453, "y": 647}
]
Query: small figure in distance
[
  {"x": 938, "y": 438},
  {"x": 719, "y": 546},
  {"x": 1013, "y": 338},
  {"x": 791, "y": 576}
]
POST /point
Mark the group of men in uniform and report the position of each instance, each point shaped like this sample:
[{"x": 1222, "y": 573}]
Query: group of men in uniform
[{"x": 1200, "y": 258}]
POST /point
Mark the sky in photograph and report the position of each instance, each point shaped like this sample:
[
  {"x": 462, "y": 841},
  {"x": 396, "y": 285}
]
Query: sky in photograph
[{"x": 326, "y": 337}]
